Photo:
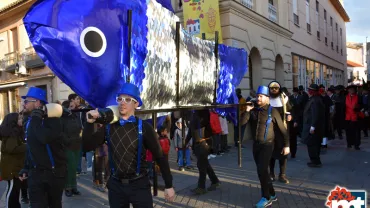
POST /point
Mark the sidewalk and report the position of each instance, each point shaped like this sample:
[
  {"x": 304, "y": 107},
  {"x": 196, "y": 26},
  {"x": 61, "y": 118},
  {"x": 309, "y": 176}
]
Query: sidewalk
[{"x": 308, "y": 187}]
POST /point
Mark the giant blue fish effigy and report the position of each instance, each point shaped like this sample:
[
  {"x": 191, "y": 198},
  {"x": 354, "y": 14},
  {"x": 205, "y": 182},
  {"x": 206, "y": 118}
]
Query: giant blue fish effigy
[{"x": 86, "y": 44}]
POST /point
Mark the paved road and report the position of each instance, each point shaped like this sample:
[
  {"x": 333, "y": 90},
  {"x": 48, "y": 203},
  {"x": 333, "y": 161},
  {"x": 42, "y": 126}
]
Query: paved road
[{"x": 240, "y": 187}]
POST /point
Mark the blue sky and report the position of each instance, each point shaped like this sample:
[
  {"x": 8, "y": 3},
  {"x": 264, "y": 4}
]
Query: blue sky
[{"x": 359, "y": 13}]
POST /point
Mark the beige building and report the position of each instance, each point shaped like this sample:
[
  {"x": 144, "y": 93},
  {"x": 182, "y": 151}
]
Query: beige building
[
  {"x": 262, "y": 28},
  {"x": 20, "y": 67},
  {"x": 296, "y": 42},
  {"x": 318, "y": 42},
  {"x": 356, "y": 63}
]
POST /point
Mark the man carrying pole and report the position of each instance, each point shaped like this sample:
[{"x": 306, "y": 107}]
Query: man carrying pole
[
  {"x": 128, "y": 137},
  {"x": 268, "y": 123}
]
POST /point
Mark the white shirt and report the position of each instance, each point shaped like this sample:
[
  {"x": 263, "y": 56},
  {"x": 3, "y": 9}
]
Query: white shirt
[{"x": 224, "y": 125}]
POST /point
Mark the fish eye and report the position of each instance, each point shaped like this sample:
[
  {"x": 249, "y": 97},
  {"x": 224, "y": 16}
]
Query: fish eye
[{"x": 93, "y": 41}]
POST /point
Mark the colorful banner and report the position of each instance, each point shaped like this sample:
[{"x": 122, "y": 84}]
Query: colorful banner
[{"x": 202, "y": 16}]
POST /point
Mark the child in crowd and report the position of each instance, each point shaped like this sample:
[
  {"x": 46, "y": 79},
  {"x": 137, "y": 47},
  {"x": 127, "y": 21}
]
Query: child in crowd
[{"x": 182, "y": 162}]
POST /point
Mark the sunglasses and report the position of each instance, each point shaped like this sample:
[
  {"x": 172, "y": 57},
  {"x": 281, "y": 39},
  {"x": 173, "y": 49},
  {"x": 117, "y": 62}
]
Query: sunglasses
[
  {"x": 29, "y": 101},
  {"x": 127, "y": 100}
]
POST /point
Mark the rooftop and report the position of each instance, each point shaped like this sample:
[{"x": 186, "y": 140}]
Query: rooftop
[{"x": 339, "y": 7}]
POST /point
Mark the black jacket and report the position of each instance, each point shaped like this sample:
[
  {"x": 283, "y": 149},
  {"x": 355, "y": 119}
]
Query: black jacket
[
  {"x": 41, "y": 132},
  {"x": 72, "y": 128},
  {"x": 277, "y": 124},
  {"x": 313, "y": 116}
]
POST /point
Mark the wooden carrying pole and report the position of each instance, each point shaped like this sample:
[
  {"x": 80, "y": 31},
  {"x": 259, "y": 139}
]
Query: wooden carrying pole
[
  {"x": 216, "y": 72},
  {"x": 155, "y": 176},
  {"x": 177, "y": 41},
  {"x": 129, "y": 21}
]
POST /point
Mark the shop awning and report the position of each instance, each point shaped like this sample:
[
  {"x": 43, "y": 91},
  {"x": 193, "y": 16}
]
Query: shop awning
[
  {"x": 18, "y": 84},
  {"x": 353, "y": 64}
]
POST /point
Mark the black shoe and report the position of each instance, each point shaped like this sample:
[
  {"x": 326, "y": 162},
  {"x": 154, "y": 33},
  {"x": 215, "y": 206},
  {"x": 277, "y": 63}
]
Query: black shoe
[
  {"x": 292, "y": 156},
  {"x": 68, "y": 193},
  {"x": 25, "y": 200},
  {"x": 189, "y": 167},
  {"x": 181, "y": 169},
  {"x": 199, "y": 191},
  {"x": 283, "y": 179},
  {"x": 314, "y": 165},
  {"x": 76, "y": 192},
  {"x": 357, "y": 148},
  {"x": 214, "y": 186}
]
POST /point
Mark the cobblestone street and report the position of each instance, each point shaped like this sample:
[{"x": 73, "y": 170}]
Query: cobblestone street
[{"x": 308, "y": 187}]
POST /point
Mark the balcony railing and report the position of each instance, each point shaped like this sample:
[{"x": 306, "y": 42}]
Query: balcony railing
[
  {"x": 10, "y": 59},
  {"x": 248, "y": 3},
  {"x": 30, "y": 54},
  {"x": 272, "y": 13}
]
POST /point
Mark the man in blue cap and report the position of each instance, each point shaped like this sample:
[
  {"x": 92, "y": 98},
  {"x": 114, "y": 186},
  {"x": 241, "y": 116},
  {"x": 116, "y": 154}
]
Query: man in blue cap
[
  {"x": 46, "y": 164},
  {"x": 268, "y": 121},
  {"x": 128, "y": 138}
]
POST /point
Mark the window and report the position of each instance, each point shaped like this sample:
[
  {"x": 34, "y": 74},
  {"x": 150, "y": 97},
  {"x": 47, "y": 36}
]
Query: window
[
  {"x": 337, "y": 49},
  {"x": 307, "y": 12},
  {"x": 308, "y": 28},
  {"x": 332, "y": 45},
  {"x": 317, "y": 6},
  {"x": 325, "y": 15},
  {"x": 336, "y": 27},
  {"x": 326, "y": 40},
  {"x": 14, "y": 36},
  {"x": 318, "y": 35},
  {"x": 295, "y": 12},
  {"x": 331, "y": 21},
  {"x": 271, "y": 2},
  {"x": 340, "y": 32},
  {"x": 341, "y": 52}
]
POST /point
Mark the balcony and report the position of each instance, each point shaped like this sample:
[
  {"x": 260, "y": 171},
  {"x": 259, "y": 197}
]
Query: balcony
[
  {"x": 8, "y": 63},
  {"x": 272, "y": 13},
  {"x": 248, "y": 3},
  {"x": 32, "y": 59}
]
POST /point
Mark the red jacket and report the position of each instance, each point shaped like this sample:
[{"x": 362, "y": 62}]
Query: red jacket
[
  {"x": 352, "y": 107},
  {"x": 215, "y": 123},
  {"x": 165, "y": 144},
  {"x": 149, "y": 156}
]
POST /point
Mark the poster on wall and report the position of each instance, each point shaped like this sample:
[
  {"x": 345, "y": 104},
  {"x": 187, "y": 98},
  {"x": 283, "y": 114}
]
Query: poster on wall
[{"x": 202, "y": 16}]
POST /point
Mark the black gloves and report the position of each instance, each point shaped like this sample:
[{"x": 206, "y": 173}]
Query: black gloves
[
  {"x": 106, "y": 115},
  {"x": 38, "y": 113}
]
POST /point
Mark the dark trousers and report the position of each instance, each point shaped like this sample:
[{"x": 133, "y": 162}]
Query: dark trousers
[
  {"x": 365, "y": 126},
  {"x": 12, "y": 193},
  {"x": 293, "y": 132},
  {"x": 24, "y": 189},
  {"x": 313, "y": 147},
  {"x": 262, "y": 154},
  {"x": 236, "y": 133},
  {"x": 101, "y": 165},
  {"x": 137, "y": 193},
  {"x": 223, "y": 142},
  {"x": 45, "y": 189},
  {"x": 353, "y": 133},
  {"x": 216, "y": 143},
  {"x": 282, "y": 165},
  {"x": 73, "y": 158},
  {"x": 201, "y": 151}
]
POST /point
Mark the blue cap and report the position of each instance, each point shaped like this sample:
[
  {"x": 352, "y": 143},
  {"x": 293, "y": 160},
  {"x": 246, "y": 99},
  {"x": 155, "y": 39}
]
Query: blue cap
[
  {"x": 263, "y": 90},
  {"x": 36, "y": 93},
  {"x": 131, "y": 90}
]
